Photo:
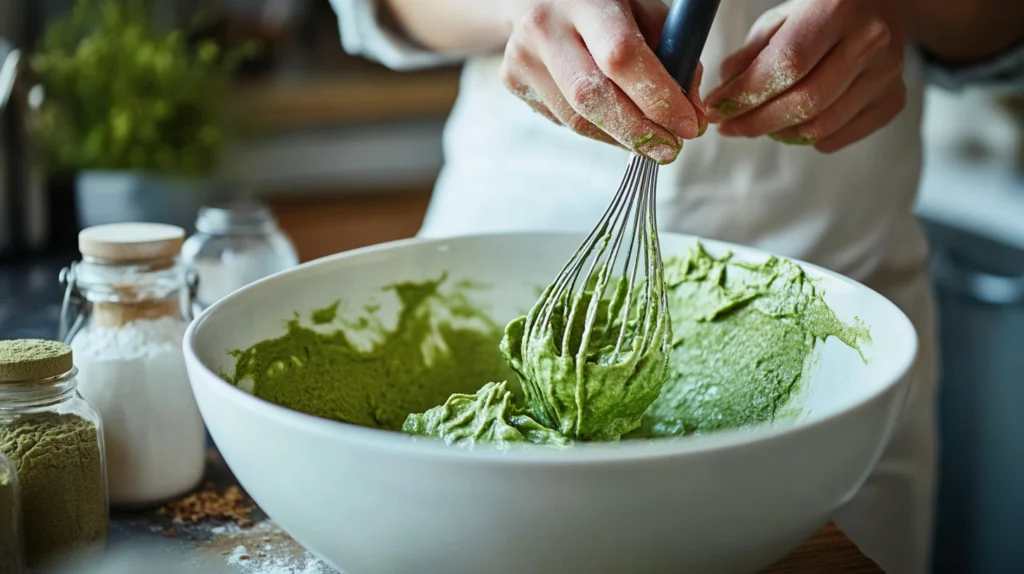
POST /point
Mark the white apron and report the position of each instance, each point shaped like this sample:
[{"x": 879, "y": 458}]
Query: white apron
[{"x": 508, "y": 168}]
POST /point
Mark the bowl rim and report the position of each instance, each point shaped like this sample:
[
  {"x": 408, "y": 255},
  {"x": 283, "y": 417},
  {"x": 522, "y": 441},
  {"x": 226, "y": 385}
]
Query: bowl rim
[{"x": 582, "y": 453}]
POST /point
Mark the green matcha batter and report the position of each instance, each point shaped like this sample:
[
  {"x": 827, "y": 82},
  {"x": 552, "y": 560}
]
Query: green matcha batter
[
  {"x": 488, "y": 416},
  {"x": 741, "y": 337},
  {"x": 440, "y": 345},
  {"x": 584, "y": 382}
]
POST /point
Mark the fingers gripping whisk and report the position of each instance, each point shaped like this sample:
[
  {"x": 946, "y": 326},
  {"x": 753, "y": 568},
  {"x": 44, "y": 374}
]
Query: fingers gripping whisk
[{"x": 594, "y": 352}]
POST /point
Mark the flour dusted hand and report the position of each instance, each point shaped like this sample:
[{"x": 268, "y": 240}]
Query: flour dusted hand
[
  {"x": 589, "y": 64},
  {"x": 826, "y": 73}
]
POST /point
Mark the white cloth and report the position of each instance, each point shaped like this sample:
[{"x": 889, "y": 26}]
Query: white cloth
[
  {"x": 508, "y": 168},
  {"x": 1005, "y": 72}
]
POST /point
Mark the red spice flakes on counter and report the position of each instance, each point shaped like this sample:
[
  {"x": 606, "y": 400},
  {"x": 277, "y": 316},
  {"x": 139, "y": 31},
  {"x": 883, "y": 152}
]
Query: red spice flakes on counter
[{"x": 208, "y": 504}]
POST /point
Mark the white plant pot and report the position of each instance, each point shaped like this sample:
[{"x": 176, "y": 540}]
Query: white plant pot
[{"x": 117, "y": 196}]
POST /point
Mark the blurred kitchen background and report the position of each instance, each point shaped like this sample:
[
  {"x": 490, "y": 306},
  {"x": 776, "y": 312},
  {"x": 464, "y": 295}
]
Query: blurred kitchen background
[{"x": 344, "y": 153}]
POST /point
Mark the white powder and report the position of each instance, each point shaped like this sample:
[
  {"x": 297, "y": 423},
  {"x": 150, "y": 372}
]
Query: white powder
[
  {"x": 238, "y": 555},
  {"x": 266, "y": 563},
  {"x": 135, "y": 376},
  {"x": 250, "y": 565},
  {"x": 263, "y": 549},
  {"x": 234, "y": 270},
  {"x": 781, "y": 77}
]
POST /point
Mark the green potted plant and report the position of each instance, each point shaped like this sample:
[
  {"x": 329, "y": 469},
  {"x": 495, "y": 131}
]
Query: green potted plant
[{"x": 136, "y": 111}]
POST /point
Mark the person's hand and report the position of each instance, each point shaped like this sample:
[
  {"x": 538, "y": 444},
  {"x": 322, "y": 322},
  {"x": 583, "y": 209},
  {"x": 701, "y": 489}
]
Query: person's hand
[
  {"x": 589, "y": 65},
  {"x": 826, "y": 73}
]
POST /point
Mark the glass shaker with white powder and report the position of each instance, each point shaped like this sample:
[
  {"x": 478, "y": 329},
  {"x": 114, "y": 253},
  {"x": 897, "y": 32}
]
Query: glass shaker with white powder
[
  {"x": 126, "y": 307},
  {"x": 234, "y": 245}
]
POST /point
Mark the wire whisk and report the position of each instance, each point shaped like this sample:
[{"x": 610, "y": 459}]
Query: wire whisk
[
  {"x": 632, "y": 213},
  {"x": 593, "y": 352}
]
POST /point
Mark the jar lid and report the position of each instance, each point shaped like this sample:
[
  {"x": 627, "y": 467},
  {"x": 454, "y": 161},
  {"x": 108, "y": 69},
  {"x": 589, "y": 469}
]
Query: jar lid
[
  {"x": 238, "y": 217},
  {"x": 131, "y": 242},
  {"x": 33, "y": 360}
]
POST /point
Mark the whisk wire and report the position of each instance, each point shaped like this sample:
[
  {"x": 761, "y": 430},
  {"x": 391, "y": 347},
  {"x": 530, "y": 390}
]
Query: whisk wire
[
  {"x": 659, "y": 265},
  {"x": 602, "y": 335},
  {"x": 630, "y": 213},
  {"x": 604, "y": 267},
  {"x": 570, "y": 272},
  {"x": 645, "y": 190}
]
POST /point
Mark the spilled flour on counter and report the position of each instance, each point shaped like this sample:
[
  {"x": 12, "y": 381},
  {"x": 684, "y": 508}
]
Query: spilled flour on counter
[
  {"x": 265, "y": 549},
  {"x": 242, "y": 559}
]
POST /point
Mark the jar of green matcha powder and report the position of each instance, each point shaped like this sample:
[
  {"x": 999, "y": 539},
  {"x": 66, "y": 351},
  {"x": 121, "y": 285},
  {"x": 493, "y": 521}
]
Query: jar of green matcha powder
[
  {"x": 54, "y": 439},
  {"x": 11, "y": 560}
]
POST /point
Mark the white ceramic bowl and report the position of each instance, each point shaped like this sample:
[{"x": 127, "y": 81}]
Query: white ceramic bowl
[{"x": 377, "y": 502}]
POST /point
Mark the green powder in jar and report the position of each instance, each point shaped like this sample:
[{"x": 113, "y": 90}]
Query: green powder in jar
[
  {"x": 63, "y": 488},
  {"x": 10, "y": 516}
]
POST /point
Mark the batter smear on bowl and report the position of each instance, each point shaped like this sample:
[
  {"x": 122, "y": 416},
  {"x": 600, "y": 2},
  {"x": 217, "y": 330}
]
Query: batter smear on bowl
[{"x": 741, "y": 336}]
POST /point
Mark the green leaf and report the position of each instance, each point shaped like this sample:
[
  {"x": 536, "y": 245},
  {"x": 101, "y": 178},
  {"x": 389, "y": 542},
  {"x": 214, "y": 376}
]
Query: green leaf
[{"x": 122, "y": 93}]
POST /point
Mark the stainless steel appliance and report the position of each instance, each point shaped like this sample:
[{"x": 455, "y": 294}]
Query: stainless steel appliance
[
  {"x": 980, "y": 284},
  {"x": 24, "y": 213}
]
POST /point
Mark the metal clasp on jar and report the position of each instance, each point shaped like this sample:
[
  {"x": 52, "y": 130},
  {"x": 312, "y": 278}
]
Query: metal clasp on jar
[
  {"x": 192, "y": 284},
  {"x": 75, "y": 308}
]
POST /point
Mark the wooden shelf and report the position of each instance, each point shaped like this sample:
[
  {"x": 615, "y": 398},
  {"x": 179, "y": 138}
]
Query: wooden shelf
[
  {"x": 281, "y": 104},
  {"x": 320, "y": 226}
]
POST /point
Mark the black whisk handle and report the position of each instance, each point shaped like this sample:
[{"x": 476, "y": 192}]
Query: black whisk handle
[{"x": 683, "y": 37}]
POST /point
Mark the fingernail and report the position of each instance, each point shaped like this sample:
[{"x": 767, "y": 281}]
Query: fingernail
[
  {"x": 799, "y": 140},
  {"x": 701, "y": 107},
  {"x": 644, "y": 140},
  {"x": 597, "y": 123},
  {"x": 656, "y": 148},
  {"x": 688, "y": 128},
  {"x": 724, "y": 109},
  {"x": 702, "y": 120}
]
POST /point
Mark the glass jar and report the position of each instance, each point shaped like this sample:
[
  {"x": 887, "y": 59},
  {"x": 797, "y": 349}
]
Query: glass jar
[
  {"x": 126, "y": 308},
  {"x": 234, "y": 245},
  {"x": 11, "y": 559},
  {"x": 55, "y": 439}
]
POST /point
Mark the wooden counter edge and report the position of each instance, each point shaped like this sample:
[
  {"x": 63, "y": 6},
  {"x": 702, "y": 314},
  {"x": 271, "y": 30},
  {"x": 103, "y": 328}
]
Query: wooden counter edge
[{"x": 827, "y": 552}]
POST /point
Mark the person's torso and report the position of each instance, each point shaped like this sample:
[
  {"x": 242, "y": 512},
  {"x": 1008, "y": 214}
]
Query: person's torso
[{"x": 508, "y": 168}]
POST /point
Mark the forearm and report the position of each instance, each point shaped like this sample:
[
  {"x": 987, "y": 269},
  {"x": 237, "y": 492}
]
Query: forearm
[
  {"x": 965, "y": 31},
  {"x": 454, "y": 26}
]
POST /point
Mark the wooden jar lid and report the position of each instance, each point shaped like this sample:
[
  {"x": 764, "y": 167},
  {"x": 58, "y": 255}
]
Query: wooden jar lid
[
  {"x": 33, "y": 359},
  {"x": 131, "y": 242}
]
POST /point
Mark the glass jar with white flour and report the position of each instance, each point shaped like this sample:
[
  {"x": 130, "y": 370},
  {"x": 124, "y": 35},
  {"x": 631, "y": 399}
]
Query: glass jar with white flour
[
  {"x": 234, "y": 245},
  {"x": 126, "y": 307}
]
